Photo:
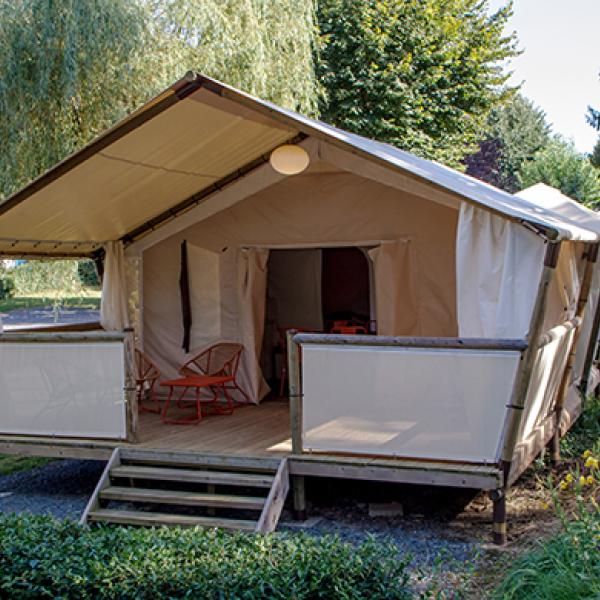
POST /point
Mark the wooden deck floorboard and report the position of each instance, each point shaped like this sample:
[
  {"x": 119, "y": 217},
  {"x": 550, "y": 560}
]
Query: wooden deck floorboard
[{"x": 250, "y": 430}]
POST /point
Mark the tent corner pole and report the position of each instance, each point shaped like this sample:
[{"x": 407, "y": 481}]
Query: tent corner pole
[
  {"x": 521, "y": 388},
  {"x": 563, "y": 390},
  {"x": 295, "y": 399}
]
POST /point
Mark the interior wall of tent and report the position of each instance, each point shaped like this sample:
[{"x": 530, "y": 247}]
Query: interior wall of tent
[{"x": 411, "y": 241}]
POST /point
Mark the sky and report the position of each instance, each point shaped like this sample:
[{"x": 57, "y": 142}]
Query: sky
[{"x": 560, "y": 64}]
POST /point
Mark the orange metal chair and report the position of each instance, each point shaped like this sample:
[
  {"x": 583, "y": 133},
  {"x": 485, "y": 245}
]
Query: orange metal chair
[
  {"x": 146, "y": 376},
  {"x": 214, "y": 369}
]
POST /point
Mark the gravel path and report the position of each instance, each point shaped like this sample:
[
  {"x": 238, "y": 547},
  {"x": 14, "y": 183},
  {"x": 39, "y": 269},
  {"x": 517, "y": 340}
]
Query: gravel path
[
  {"x": 62, "y": 489},
  {"x": 47, "y": 316}
]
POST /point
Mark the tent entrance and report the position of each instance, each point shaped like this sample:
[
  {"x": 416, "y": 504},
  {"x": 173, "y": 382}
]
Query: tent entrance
[{"x": 309, "y": 289}]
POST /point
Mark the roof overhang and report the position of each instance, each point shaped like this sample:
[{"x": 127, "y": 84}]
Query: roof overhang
[{"x": 193, "y": 140}]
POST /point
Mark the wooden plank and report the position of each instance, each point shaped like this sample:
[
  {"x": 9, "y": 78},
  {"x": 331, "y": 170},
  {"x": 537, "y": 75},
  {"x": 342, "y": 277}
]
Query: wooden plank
[
  {"x": 94, "y": 501},
  {"x": 421, "y": 473},
  {"x": 191, "y": 476},
  {"x": 188, "y": 459},
  {"x": 275, "y": 500},
  {"x": 411, "y": 342},
  {"x": 91, "y": 326},
  {"x": 151, "y": 519},
  {"x": 128, "y": 494},
  {"x": 65, "y": 337}
]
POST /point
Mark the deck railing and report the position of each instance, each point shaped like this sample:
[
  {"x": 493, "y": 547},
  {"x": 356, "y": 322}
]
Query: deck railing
[
  {"x": 428, "y": 398},
  {"x": 67, "y": 384}
]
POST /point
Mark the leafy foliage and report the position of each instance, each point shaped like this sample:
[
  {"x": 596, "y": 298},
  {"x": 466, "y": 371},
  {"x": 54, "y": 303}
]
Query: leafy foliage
[
  {"x": 56, "y": 277},
  {"x": 562, "y": 167},
  {"x": 565, "y": 568},
  {"x": 517, "y": 131},
  {"x": 593, "y": 117},
  {"x": 88, "y": 275},
  {"x": 422, "y": 75},
  {"x": 7, "y": 287},
  {"x": 595, "y": 155},
  {"x": 41, "y": 557},
  {"x": 70, "y": 69}
]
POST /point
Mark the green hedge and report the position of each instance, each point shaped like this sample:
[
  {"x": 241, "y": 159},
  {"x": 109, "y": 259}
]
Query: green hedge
[{"x": 44, "y": 558}]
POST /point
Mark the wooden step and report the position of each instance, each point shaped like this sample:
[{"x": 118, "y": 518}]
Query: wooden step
[
  {"x": 161, "y": 458},
  {"x": 132, "y": 517},
  {"x": 129, "y": 494},
  {"x": 193, "y": 476}
]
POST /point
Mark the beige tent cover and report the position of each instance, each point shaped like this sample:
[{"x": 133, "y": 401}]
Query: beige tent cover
[{"x": 195, "y": 138}]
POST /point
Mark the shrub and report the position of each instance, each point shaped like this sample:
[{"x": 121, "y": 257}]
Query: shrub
[
  {"x": 58, "y": 277},
  {"x": 567, "y": 567},
  {"x": 88, "y": 276},
  {"x": 7, "y": 288},
  {"x": 44, "y": 558}
]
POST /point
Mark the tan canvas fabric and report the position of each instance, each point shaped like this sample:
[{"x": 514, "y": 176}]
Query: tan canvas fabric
[
  {"x": 306, "y": 210},
  {"x": 114, "y": 314},
  {"x": 396, "y": 289}
]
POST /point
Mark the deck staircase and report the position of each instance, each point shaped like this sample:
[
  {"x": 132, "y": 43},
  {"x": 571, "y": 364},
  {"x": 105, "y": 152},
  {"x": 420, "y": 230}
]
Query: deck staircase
[{"x": 147, "y": 487}]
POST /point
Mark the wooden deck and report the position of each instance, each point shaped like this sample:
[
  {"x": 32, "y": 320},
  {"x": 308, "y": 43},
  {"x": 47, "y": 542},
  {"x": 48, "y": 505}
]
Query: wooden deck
[{"x": 251, "y": 430}]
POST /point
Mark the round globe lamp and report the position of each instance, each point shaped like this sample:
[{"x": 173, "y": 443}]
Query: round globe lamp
[{"x": 289, "y": 159}]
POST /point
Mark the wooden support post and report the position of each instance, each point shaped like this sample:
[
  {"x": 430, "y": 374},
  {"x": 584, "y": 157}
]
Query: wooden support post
[
  {"x": 563, "y": 390},
  {"x": 499, "y": 517},
  {"x": 130, "y": 391},
  {"x": 534, "y": 337},
  {"x": 295, "y": 399},
  {"x": 591, "y": 350},
  {"x": 521, "y": 388}
]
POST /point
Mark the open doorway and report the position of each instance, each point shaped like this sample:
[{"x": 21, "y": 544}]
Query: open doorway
[{"x": 312, "y": 289}]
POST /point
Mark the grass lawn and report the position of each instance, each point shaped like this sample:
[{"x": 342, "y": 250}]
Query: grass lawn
[
  {"x": 89, "y": 299},
  {"x": 11, "y": 463}
]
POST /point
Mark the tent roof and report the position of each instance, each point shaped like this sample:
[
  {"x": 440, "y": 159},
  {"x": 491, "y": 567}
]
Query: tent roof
[{"x": 192, "y": 140}]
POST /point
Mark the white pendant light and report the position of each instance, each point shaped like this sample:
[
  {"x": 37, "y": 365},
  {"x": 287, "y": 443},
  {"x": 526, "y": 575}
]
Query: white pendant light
[{"x": 289, "y": 159}]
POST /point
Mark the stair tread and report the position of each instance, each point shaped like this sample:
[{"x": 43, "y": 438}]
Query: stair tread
[
  {"x": 153, "y": 518},
  {"x": 179, "y": 497},
  {"x": 192, "y": 475}
]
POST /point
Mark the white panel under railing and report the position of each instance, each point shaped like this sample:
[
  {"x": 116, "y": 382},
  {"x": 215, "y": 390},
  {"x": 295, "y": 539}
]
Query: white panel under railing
[
  {"x": 432, "y": 403},
  {"x": 70, "y": 389}
]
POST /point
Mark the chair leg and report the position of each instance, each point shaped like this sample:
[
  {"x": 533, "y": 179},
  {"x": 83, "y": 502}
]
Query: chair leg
[
  {"x": 163, "y": 415},
  {"x": 236, "y": 386},
  {"x": 189, "y": 420}
]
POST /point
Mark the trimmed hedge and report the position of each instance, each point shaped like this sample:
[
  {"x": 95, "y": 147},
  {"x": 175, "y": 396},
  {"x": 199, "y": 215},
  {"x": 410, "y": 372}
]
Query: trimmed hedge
[{"x": 41, "y": 557}]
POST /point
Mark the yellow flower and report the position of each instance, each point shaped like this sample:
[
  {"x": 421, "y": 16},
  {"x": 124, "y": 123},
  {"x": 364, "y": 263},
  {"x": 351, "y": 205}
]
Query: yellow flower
[
  {"x": 591, "y": 462},
  {"x": 569, "y": 478},
  {"x": 563, "y": 485},
  {"x": 582, "y": 480},
  {"x": 587, "y": 454},
  {"x": 590, "y": 480}
]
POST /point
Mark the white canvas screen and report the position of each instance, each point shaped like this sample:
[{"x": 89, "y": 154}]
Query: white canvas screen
[
  {"x": 425, "y": 403},
  {"x": 62, "y": 389}
]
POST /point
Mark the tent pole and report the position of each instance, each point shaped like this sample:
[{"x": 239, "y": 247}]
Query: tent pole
[
  {"x": 521, "y": 387},
  {"x": 563, "y": 390},
  {"x": 295, "y": 399}
]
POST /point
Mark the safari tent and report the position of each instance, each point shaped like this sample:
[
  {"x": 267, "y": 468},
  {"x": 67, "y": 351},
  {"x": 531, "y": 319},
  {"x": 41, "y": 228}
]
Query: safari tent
[{"x": 479, "y": 308}]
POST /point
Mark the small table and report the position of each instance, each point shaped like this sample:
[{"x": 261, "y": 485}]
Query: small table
[{"x": 213, "y": 382}]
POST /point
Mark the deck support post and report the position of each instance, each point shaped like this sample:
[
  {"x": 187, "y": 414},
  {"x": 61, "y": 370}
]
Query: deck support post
[
  {"x": 498, "y": 498},
  {"x": 521, "y": 387},
  {"x": 563, "y": 390},
  {"x": 591, "y": 351},
  {"x": 130, "y": 392},
  {"x": 295, "y": 398}
]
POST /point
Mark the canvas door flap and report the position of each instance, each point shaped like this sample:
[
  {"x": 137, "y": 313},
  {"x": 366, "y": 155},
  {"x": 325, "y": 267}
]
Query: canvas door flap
[{"x": 396, "y": 295}]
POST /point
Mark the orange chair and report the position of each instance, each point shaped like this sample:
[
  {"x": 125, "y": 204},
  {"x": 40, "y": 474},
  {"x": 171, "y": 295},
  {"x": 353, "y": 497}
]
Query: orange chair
[
  {"x": 146, "y": 376},
  {"x": 214, "y": 369}
]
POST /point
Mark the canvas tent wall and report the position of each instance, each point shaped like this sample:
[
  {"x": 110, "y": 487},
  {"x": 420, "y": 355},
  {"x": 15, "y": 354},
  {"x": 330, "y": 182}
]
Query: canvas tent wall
[{"x": 196, "y": 158}]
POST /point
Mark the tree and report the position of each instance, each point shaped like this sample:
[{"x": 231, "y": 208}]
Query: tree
[
  {"x": 517, "y": 131},
  {"x": 562, "y": 167},
  {"x": 420, "y": 74},
  {"x": 593, "y": 118},
  {"x": 70, "y": 69},
  {"x": 595, "y": 155}
]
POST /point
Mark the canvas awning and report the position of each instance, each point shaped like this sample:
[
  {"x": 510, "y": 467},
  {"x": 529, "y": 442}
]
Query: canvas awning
[{"x": 191, "y": 141}]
